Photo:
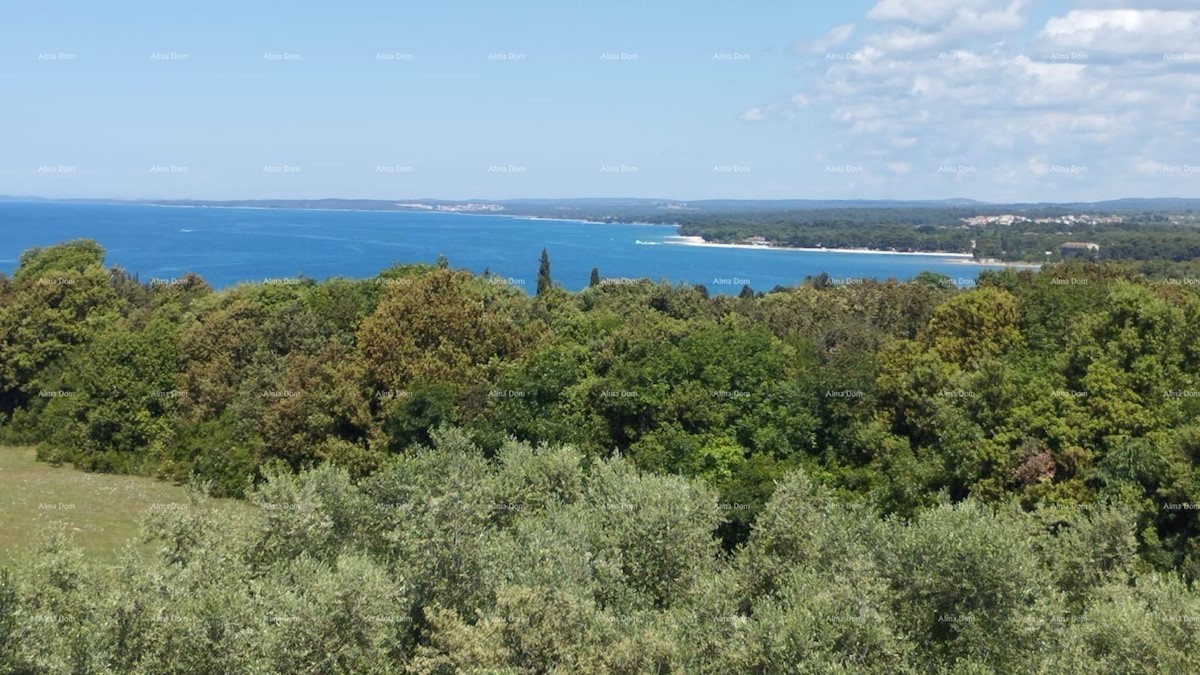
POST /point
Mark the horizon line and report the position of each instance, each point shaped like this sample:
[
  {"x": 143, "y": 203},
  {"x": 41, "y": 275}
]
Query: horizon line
[{"x": 398, "y": 200}]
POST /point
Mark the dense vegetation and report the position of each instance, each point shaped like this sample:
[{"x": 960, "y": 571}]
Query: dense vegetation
[
  {"x": 541, "y": 561},
  {"x": 1141, "y": 236},
  {"x": 633, "y": 478}
]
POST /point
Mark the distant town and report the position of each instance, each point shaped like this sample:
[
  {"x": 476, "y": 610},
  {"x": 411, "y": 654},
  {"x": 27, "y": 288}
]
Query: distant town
[
  {"x": 453, "y": 208},
  {"x": 1073, "y": 219}
]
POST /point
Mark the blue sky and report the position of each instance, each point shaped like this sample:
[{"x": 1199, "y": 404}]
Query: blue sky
[{"x": 989, "y": 99}]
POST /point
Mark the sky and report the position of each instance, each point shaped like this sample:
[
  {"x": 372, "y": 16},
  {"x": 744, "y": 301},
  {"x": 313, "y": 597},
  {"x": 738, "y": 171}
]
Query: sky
[{"x": 997, "y": 100}]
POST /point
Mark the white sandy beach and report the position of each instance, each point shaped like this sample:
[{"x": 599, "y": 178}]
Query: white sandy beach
[
  {"x": 699, "y": 241},
  {"x": 992, "y": 262}
]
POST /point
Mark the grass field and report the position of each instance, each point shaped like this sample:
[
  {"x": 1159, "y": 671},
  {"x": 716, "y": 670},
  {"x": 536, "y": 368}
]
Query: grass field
[{"x": 101, "y": 511}]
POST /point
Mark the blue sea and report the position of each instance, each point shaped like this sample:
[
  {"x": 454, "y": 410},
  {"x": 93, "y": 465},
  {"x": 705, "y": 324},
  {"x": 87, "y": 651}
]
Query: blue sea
[{"x": 230, "y": 245}]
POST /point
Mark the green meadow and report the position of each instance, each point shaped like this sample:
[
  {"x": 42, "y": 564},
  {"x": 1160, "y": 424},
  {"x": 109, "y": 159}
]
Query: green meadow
[{"x": 99, "y": 512}]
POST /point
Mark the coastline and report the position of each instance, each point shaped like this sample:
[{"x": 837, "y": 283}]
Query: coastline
[
  {"x": 678, "y": 240},
  {"x": 689, "y": 240},
  {"x": 493, "y": 214},
  {"x": 551, "y": 219},
  {"x": 960, "y": 258},
  {"x": 992, "y": 262}
]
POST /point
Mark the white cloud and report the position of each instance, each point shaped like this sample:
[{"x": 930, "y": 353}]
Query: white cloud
[
  {"x": 1124, "y": 31},
  {"x": 957, "y": 83},
  {"x": 781, "y": 110},
  {"x": 904, "y": 40},
  {"x": 1143, "y": 4},
  {"x": 755, "y": 114},
  {"x": 939, "y": 13},
  {"x": 1149, "y": 167},
  {"x": 939, "y": 81},
  {"x": 919, "y": 25},
  {"x": 1007, "y": 18},
  {"x": 836, "y": 36},
  {"x": 867, "y": 55}
]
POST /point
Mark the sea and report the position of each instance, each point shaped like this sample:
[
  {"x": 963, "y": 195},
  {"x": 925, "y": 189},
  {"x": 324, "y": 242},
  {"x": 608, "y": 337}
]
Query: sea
[{"x": 227, "y": 246}]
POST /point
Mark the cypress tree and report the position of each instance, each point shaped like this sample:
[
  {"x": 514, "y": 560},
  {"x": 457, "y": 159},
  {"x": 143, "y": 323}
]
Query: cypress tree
[{"x": 543, "y": 278}]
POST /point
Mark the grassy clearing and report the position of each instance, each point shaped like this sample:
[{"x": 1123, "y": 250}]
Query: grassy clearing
[{"x": 102, "y": 512}]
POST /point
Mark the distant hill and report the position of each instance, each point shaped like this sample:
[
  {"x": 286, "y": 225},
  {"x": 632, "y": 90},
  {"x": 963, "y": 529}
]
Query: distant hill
[{"x": 1164, "y": 204}]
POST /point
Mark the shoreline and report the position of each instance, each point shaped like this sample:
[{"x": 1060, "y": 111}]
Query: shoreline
[
  {"x": 675, "y": 239},
  {"x": 583, "y": 221},
  {"x": 691, "y": 240},
  {"x": 992, "y": 262},
  {"x": 960, "y": 258}
]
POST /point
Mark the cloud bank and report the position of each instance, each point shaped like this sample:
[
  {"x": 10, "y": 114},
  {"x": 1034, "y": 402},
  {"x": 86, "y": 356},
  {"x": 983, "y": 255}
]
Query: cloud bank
[{"x": 970, "y": 97}]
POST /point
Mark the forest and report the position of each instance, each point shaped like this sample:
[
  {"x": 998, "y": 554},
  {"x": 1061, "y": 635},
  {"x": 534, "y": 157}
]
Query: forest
[
  {"x": 1139, "y": 236},
  {"x": 446, "y": 474}
]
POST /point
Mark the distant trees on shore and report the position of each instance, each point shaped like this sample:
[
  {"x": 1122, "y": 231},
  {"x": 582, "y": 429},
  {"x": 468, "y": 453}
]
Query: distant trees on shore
[{"x": 1146, "y": 236}]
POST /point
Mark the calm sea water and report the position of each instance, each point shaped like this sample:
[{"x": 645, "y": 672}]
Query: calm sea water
[{"x": 231, "y": 245}]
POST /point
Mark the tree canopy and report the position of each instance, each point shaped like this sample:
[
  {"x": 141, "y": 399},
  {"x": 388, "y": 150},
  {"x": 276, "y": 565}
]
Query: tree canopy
[{"x": 449, "y": 474}]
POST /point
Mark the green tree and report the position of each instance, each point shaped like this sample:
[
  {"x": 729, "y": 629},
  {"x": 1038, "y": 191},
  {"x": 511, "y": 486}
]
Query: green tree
[
  {"x": 544, "y": 282},
  {"x": 970, "y": 588},
  {"x": 975, "y": 325},
  {"x": 444, "y": 328},
  {"x": 113, "y": 404},
  {"x": 57, "y": 298}
]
